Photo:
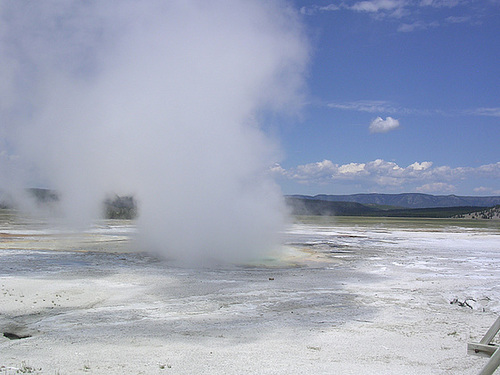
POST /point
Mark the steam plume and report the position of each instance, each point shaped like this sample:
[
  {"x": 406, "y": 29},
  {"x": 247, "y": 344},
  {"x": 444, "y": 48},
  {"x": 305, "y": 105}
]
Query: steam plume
[{"x": 160, "y": 99}]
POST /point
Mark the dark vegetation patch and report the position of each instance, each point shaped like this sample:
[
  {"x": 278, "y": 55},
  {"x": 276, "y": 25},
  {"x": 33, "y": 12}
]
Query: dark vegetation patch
[
  {"x": 15, "y": 336},
  {"x": 120, "y": 207},
  {"x": 116, "y": 207},
  {"x": 305, "y": 206}
]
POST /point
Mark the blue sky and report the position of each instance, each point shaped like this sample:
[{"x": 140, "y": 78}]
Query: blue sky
[{"x": 403, "y": 96}]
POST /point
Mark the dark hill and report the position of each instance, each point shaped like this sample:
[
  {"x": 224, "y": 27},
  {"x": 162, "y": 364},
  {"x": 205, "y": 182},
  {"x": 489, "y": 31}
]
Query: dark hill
[
  {"x": 312, "y": 207},
  {"x": 300, "y": 206},
  {"x": 409, "y": 200}
]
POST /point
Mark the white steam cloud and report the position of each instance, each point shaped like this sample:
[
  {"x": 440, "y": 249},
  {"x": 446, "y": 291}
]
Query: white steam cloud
[{"x": 159, "y": 99}]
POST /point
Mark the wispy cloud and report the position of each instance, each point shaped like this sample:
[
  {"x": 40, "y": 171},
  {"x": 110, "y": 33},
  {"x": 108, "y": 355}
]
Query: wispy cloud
[
  {"x": 379, "y": 125},
  {"x": 381, "y": 107},
  {"x": 390, "y": 108},
  {"x": 374, "y": 6},
  {"x": 414, "y": 15},
  {"x": 454, "y": 19},
  {"x": 371, "y": 106},
  {"x": 389, "y": 7},
  {"x": 495, "y": 112},
  {"x": 313, "y": 9},
  {"x": 442, "y": 3},
  {"x": 486, "y": 190},
  {"x": 381, "y": 174},
  {"x": 418, "y": 25}
]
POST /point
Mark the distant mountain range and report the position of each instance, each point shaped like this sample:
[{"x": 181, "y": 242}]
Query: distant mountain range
[
  {"x": 382, "y": 205},
  {"x": 407, "y": 200}
]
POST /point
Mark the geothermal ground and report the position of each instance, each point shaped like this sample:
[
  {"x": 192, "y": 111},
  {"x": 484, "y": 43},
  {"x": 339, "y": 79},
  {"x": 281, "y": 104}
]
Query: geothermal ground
[{"x": 345, "y": 296}]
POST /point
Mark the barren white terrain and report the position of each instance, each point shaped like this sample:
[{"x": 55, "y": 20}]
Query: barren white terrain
[{"x": 343, "y": 296}]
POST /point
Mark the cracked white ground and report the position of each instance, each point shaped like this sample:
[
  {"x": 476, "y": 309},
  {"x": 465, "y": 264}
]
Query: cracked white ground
[{"x": 345, "y": 296}]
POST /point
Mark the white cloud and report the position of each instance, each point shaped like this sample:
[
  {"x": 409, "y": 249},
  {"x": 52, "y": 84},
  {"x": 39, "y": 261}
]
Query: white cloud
[
  {"x": 495, "y": 112},
  {"x": 380, "y": 125},
  {"x": 416, "y": 15},
  {"x": 352, "y": 169},
  {"x": 311, "y": 10},
  {"x": 418, "y": 25},
  {"x": 483, "y": 190},
  {"x": 326, "y": 169},
  {"x": 277, "y": 169},
  {"x": 387, "y": 181},
  {"x": 381, "y": 174},
  {"x": 308, "y": 173},
  {"x": 436, "y": 187},
  {"x": 382, "y": 165},
  {"x": 490, "y": 169},
  {"x": 454, "y": 19},
  {"x": 487, "y": 190},
  {"x": 371, "y": 106},
  {"x": 395, "y": 7},
  {"x": 420, "y": 166},
  {"x": 325, "y": 166},
  {"x": 329, "y": 7},
  {"x": 377, "y": 5},
  {"x": 385, "y": 106},
  {"x": 440, "y": 3},
  {"x": 376, "y": 106},
  {"x": 409, "y": 27}
]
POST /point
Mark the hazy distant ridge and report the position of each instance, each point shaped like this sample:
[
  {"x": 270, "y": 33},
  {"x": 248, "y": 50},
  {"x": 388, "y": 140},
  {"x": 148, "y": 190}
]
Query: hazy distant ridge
[{"x": 408, "y": 200}]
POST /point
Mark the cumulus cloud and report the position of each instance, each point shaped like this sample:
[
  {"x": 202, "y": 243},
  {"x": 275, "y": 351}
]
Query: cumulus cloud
[
  {"x": 352, "y": 169},
  {"x": 381, "y": 174},
  {"x": 329, "y": 170},
  {"x": 490, "y": 169},
  {"x": 420, "y": 166},
  {"x": 380, "y": 125},
  {"x": 319, "y": 169}
]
